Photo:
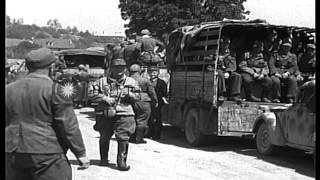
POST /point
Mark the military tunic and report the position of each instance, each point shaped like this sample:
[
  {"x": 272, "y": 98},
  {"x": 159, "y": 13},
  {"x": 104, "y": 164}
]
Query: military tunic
[
  {"x": 147, "y": 97},
  {"x": 282, "y": 63},
  {"x": 255, "y": 63},
  {"x": 155, "y": 122},
  {"x": 307, "y": 66},
  {"x": 40, "y": 127},
  {"x": 227, "y": 63}
]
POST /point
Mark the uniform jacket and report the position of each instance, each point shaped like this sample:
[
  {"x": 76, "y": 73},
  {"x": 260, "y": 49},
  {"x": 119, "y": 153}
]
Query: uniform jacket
[
  {"x": 307, "y": 64},
  {"x": 131, "y": 54},
  {"x": 161, "y": 89},
  {"x": 119, "y": 90},
  {"x": 148, "y": 92},
  {"x": 254, "y": 64},
  {"x": 283, "y": 63},
  {"x": 40, "y": 117},
  {"x": 148, "y": 44},
  {"x": 226, "y": 62}
]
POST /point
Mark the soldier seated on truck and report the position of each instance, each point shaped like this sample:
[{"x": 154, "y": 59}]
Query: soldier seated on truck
[
  {"x": 284, "y": 72},
  {"x": 227, "y": 73},
  {"x": 254, "y": 68},
  {"x": 307, "y": 63}
]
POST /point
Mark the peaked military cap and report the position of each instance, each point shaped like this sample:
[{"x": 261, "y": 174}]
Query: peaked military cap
[
  {"x": 311, "y": 46},
  {"x": 118, "y": 62},
  {"x": 153, "y": 68},
  {"x": 286, "y": 44},
  {"x": 40, "y": 58}
]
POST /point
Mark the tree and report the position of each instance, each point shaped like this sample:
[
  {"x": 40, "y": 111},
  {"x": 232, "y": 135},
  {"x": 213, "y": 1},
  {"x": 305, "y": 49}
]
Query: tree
[
  {"x": 54, "y": 24},
  {"x": 163, "y": 16},
  {"x": 42, "y": 35},
  {"x": 8, "y": 20},
  {"x": 75, "y": 30}
]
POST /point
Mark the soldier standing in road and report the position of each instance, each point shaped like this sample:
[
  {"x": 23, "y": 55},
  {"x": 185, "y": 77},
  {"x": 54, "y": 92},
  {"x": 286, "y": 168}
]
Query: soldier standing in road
[
  {"x": 255, "y": 68},
  {"x": 227, "y": 72},
  {"x": 114, "y": 114},
  {"x": 41, "y": 124},
  {"x": 142, "y": 108},
  {"x": 283, "y": 68},
  {"x": 83, "y": 79},
  {"x": 155, "y": 122}
]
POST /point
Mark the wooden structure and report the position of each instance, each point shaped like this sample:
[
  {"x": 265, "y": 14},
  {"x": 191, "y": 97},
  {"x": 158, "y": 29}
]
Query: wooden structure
[{"x": 192, "y": 56}]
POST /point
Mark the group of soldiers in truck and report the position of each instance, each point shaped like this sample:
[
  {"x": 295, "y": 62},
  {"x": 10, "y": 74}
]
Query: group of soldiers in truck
[{"x": 272, "y": 63}]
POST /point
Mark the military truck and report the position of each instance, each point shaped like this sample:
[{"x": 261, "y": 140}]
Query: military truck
[{"x": 192, "y": 56}]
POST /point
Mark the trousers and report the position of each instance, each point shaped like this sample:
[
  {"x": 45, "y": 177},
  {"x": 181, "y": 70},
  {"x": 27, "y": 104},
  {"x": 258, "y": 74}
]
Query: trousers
[{"x": 23, "y": 166}]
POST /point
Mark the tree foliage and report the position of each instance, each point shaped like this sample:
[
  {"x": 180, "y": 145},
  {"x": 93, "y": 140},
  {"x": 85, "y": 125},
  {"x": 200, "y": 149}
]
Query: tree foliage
[{"x": 163, "y": 16}]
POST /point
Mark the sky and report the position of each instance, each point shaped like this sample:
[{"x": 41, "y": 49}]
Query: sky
[{"x": 102, "y": 17}]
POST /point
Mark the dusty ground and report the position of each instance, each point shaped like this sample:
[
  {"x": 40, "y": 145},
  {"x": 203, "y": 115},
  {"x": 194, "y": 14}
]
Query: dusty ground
[{"x": 172, "y": 158}]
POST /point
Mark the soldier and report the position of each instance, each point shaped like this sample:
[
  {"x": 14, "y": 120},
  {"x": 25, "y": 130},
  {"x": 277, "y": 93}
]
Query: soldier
[
  {"x": 114, "y": 114},
  {"x": 269, "y": 44},
  {"x": 83, "y": 78},
  {"x": 148, "y": 45},
  {"x": 155, "y": 122},
  {"x": 131, "y": 52},
  {"x": 40, "y": 124},
  {"x": 227, "y": 73},
  {"x": 307, "y": 63},
  {"x": 255, "y": 68},
  {"x": 142, "y": 108},
  {"x": 283, "y": 69},
  {"x": 7, "y": 75}
]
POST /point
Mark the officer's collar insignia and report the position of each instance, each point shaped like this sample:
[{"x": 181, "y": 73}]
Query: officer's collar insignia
[{"x": 67, "y": 90}]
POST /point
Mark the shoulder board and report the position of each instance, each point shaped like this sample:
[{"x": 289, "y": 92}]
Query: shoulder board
[{"x": 63, "y": 93}]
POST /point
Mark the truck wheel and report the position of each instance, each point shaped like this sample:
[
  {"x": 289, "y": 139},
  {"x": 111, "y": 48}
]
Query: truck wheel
[
  {"x": 263, "y": 141},
  {"x": 192, "y": 132}
]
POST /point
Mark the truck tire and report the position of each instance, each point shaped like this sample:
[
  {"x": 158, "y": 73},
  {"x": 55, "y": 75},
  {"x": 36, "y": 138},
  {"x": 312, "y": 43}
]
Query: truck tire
[
  {"x": 192, "y": 132},
  {"x": 263, "y": 141}
]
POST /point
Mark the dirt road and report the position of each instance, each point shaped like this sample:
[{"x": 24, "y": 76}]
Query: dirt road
[{"x": 172, "y": 158}]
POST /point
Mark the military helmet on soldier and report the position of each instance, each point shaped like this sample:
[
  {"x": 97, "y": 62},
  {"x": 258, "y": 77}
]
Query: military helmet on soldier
[{"x": 145, "y": 32}]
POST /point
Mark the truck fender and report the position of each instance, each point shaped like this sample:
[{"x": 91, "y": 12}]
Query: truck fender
[{"x": 275, "y": 132}]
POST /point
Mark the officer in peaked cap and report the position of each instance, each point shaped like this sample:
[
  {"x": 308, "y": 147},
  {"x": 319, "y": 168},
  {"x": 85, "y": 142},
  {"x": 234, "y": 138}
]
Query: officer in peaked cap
[
  {"x": 283, "y": 68},
  {"x": 143, "y": 106},
  {"x": 49, "y": 129},
  {"x": 117, "y": 93}
]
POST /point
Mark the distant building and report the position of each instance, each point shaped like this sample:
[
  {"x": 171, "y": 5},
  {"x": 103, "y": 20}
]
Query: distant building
[
  {"x": 110, "y": 39},
  {"x": 10, "y": 45},
  {"x": 55, "y": 44}
]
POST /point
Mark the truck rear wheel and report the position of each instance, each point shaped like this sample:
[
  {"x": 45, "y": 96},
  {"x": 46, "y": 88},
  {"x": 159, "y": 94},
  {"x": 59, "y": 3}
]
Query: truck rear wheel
[
  {"x": 192, "y": 132},
  {"x": 263, "y": 141}
]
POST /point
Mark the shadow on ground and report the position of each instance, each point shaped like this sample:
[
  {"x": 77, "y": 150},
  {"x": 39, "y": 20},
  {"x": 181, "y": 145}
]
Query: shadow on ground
[
  {"x": 95, "y": 162},
  {"x": 286, "y": 157},
  {"x": 291, "y": 158}
]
